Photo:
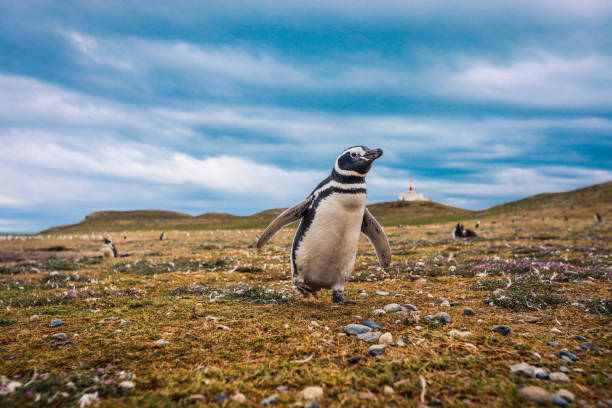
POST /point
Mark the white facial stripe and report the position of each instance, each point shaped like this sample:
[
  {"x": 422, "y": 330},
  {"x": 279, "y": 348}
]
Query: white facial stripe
[
  {"x": 333, "y": 183},
  {"x": 346, "y": 172}
]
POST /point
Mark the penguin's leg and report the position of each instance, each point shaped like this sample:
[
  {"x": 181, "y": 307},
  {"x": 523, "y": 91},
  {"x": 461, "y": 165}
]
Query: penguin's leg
[
  {"x": 304, "y": 288},
  {"x": 338, "y": 298}
]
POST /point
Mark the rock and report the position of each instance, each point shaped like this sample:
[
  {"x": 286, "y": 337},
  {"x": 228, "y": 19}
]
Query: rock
[
  {"x": 191, "y": 336},
  {"x": 354, "y": 329},
  {"x": 459, "y": 333},
  {"x": 362, "y": 295},
  {"x": 503, "y": 330},
  {"x": 377, "y": 349},
  {"x": 219, "y": 398},
  {"x": 560, "y": 401},
  {"x": 442, "y": 300},
  {"x": 162, "y": 342},
  {"x": 355, "y": 359},
  {"x": 312, "y": 404},
  {"x": 555, "y": 330},
  {"x": 239, "y": 398},
  {"x": 580, "y": 338},
  {"x": 535, "y": 394},
  {"x": 386, "y": 338},
  {"x": 378, "y": 312},
  {"x": 55, "y": 323},
  {"x": 531, "y": 319},
  {"x": 60, "y": 336},
  {"x": 392, "y": 307},
  {"x": 553, "y": 343},
  {"x": 468, "y": 312},
  {"x": 282, "y": 388},
  {"x": 559, "y": 377},
  {"x": 270, "y": 400},
  {"x": 310, "y": 393},
  {"x": 411, "y": 307},
  {"x": 223, "y": 327},
  {"x": 564, "y": 369},
  {"x": 34, "y": 317},
  {"x": 453, "y": 304},
  {"x": 542, "y": 375},
  {"x": 125, "y": 322},
  {"x": 565, "y": 394},
  {"x": 88, "y": 399},
  {"x": 569, "y": 355},
  {"x": 127, "y": 384},
  {"x": 371, "y": 324},
  {"x": 523, "y": 369},
  {"x": 369, "y": 337},
  {"x": 61, "y": 343},
  {"x": 382, "y": 293},
  {"x": 443, "y": 317},
  {"x": 195, "y": 397},
  {"x": 445, "y": 304},
  {"x": 587, "y": 345}
]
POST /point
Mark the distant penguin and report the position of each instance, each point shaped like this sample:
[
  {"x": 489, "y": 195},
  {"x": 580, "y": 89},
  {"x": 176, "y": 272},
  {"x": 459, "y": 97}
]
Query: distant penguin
[
  {"x": 108, "y": 249},
  {"x": 162, "y": 236},
  {"x": 332, "y": 217},
  {"x": 597, "y": 217},
  {"x": 459, "y": 231},
  {"x": 477, "y": 224}
]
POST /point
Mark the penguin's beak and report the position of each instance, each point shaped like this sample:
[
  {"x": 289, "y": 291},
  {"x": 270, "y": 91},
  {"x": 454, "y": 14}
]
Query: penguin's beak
[{"x": 373, "y": 154}]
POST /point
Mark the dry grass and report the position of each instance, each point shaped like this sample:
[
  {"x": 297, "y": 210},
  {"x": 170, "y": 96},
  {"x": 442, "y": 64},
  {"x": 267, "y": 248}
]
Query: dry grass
[{"x": 177, "y": 286}]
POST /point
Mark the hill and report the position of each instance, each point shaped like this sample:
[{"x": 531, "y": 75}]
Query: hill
[{"x": 577, "y": 203}]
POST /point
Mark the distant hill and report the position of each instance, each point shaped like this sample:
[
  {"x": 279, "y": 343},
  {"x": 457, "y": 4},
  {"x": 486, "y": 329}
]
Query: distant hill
[{"x": 577, "y": 203}]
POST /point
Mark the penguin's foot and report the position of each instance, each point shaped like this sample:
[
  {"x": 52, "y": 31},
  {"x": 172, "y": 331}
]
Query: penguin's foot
[
  {"x": 305, "y": 289},
  {"x": 338, "y": 298}
]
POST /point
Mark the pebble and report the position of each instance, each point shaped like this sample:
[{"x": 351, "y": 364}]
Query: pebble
[
  {"x": 55, "y": 323},
  {"x": 377, "y": 349},
  {"x": 443, "y": 317},
  {"x": 445, "y": 304},
  {"x": 127, "y": 384},
  {"x": 580, "y": 338},
  {"x": 392, "y": 307},
  {"x": 541, "y": 374},
  {"x": 531, "y": 319},
  {"x": 219, "y": 398},
  {"x": 555, "y": 330},
  {"x": 362, "y": 295},
  {"x": 411, "y": 307},
  {"x": 553, "y": 343},
  {"x": 386, "y": 338},
  {"x": 162, "y": 342},
  {"x": 587, "y": 345},
  {"x": 564, "y": 369},
  {"x": 442, "y": 300},
  {"x": 523, "y": 369},
  {"x": 378, "y": 312},
  {"x": 453, "y": 304},
  {"x": 60, "y": 336},
  {"x": 191, "y": 336},
  {"x": 223, "y": 327},
  {"x": 369, "y": 337},
  {"x": 355, "y": 359},
  {"x": 282, "y": 388},
  {"x": 382, "y": 293},
  {"x": 34, "y": 317},
  {"x": 569, "y": 355},
  {"x": 270, "y": 400},
  {"x": 559, "y": 377},
  {"x": 503, "y": 330},
  {"x": 195, "y": 397},
  {"x": 312, "y": 404},
  {"x": 560, "y": 401},
  {"x": 354, "y": 329},
  {"x": 468, "y": 312},
  {"x": 566, "y": 395},
  {"x": 459, "y": 333},
  {"x": 239, "y": 398},
  {"x": 125, "y": 322},
  {"x": 536, "y": 394},
  {"x": 388, "y": 390},
  {"x": 371, "y": 324},
  {"x": 61, "y": 343},
  {"x": 310, "y": 393}
]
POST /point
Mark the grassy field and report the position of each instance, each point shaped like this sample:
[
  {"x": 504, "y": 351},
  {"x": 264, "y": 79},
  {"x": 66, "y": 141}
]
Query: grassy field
[{"x": 203, "y": 318}]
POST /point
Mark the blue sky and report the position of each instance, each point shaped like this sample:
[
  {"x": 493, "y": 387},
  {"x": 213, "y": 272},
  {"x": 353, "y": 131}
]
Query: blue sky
[{"x": 243, "y": 106}]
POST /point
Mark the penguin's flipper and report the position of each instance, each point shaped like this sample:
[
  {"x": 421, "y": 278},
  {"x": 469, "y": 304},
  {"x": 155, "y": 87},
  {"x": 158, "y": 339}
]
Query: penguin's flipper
[
  {"x": 372, "y": 229},
  {"x": 286, "y": 217}
]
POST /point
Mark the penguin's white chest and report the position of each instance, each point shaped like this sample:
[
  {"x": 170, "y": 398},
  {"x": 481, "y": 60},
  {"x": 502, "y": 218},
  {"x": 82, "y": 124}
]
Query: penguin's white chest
[{"x": 325, "y": 257}]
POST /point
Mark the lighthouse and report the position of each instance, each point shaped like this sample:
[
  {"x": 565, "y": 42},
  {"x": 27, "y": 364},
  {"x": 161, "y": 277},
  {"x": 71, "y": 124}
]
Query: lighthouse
[{"x": 411, "y": 195}]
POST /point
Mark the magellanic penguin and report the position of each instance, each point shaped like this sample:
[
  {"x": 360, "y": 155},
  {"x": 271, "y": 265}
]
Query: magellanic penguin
[
  {"x": 332, "y": 216},
  {"x": 108, "y": 249}
]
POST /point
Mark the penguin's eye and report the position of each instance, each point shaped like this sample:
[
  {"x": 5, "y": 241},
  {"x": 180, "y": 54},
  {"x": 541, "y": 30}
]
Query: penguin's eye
[{"x": 353, "y": 154}]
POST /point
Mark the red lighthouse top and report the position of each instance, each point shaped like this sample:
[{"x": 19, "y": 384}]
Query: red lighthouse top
[{"x": 410, "y": 190}]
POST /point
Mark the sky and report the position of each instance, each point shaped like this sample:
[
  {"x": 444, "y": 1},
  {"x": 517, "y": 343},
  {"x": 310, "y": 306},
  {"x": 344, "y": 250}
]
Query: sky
[{"x": 243, "y": 106}]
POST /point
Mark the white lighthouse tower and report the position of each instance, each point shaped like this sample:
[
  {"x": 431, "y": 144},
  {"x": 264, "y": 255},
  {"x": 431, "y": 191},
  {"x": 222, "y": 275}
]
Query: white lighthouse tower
[{"x": 411, "y": 195}]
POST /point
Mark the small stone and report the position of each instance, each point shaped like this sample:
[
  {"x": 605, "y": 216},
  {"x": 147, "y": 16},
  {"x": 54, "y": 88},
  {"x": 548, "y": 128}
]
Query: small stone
[
  {"x": 569, "y": 355},
  {"x": 503, "y": 330},
  {"x": 362, "y": 295},
  {"x": 553, "y": 343},
  {"x": 587, "y": 345},
  {"x": 223, "y": 327},
  {"x": 55, "y": 323},
  {"x": 382, "y": 293},
  {"x": 371, "y": 324},
  {"x": 34, "y": 317},
  {"x": 378, "y": 312},
  {"x": 386, "y": 338},
  {"x": 454, "y": 304},
  {"x": 388, "y": 390},
  {"x": 162, "y": 342},
  {"x": 392, "y": 307},
  {"x": 564, "y": 369},
  {"x": 523, "y": 369},
  {"x": 468, "y": 312},
  {"x": 191, "y": 336},
  {"x": 443, "y": 317},
  {"x": 355, "y": 359},
  {"x": 354, "y": 329},
  {"x": 559, "y": 377},
  {"x": 555, "y": 330},
  {"x": 239, "y": 398},
  {"x": 219, "y": 398},
  {"x": 459, "y": 333},
  {"x": 310, "y": 393},
  {"x": 531, "y": 319},
  {"x": 580, "y": 338},
  {"x": 566, "y": 395},
  {"x": 127, "y": 384},
  {"x": 60, "y": 336},
  {"x": 536, "y": 394},
  {"x": 369, "y": 337},
  {"x": 195, "y": 397},
  {"x": 61, "y": 343},
  {"x": 125, "y": 322},
  {"x": 377, "y": 349},
  {"x": 560, "y": 401},
  {"x": 541, "y": 374},
  {"x": 270, "y": 400},
  {"x": 311, "y": 404},
  {"x": 442, "y": 300},
  {"x": 282, "y": 388},
  {"x": 411, "y": 307}
]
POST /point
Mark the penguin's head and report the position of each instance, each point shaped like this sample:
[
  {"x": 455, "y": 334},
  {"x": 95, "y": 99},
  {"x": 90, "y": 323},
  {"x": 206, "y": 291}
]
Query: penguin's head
[
  {"x": 107, "y": 241},
  {"x": 356, "y": 161}
]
